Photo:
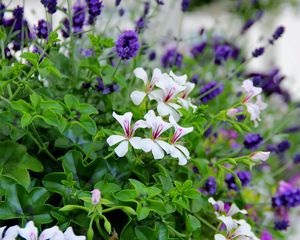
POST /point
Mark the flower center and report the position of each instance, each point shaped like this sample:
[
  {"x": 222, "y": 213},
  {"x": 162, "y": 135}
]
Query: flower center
[
  {"x": 170, "y": 94},
  {"x": 127, "y": 129},
  {"x": 176, "y": 135},
  {"x": 157, "y": 132}
]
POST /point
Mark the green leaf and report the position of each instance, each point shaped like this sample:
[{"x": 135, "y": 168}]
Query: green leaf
[
  {"x": 126, "y": 195},
  {"x": 33, "y": 58},
  {"x": 35, "y": 100},
  {"x": 15, "y": 162},
  {"x": 192, "y": 223},
  {"x": 26, "y": 120},
  {"x": 142, "y": 212},
  {"x": 22, "y": 106},
  {"x": 107, "y": 224}
]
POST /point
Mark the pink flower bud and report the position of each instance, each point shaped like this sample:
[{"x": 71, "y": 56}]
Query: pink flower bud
[
  {"x": 261, "y": 156},
  {"x": 232, "y": 112},
  {"x": 96, "y": 196}
]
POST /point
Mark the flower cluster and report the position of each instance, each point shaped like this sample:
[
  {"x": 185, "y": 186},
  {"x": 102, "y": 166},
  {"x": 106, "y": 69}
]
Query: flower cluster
[
  {"x": 171, "y": 92},
  {"x": 155, "y": 143},
  {"x": 30, "y": 232},
  {"x": 127, "y": 45}
]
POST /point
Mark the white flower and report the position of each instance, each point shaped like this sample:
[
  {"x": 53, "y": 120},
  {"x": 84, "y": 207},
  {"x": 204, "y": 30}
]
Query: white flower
[
  {"x": 10, "y": 234},
  {"x": 250, "y": 90},
  {"x": 30, "y": 232},
  {"x": 220, "y": 208},
  {"x": 255, "y": 109},
  {"x": 138, "y": 96},
  {"x": 52, "y": 234},
  {"x": 96, "y": 196},
  {"x": 69, "y": 235},
  {"x": 181, "y": 80},
  {"x": 153, "y": 144},
  {"x": 261, "y": 156},
  {"x": 125, "y": 121},
  {"x": 236, "y": 229},
  {"x": 232, "y": 112},
  {"x": 177, "y": 150},
  {"x": 166, "y": 97}
]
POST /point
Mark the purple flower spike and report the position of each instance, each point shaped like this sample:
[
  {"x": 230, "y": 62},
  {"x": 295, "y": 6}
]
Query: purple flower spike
[
  {"x": 127, "y": 45},
  {"x": 172, "y": 58},
  {"x": 42, "y": 29},
  {"x": 50, "y": 5}
]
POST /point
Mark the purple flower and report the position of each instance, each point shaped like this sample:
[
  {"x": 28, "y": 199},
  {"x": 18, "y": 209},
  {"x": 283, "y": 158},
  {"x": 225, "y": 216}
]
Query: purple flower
[
  {"x": 140, "y": 25},
  {"x": 94, "y": 9},
  {"x": 210, "y": 90},
  {"x": 171, "y": 57},
  {"x": 42, "y": 29},
  {"x": 230, "y": 181},
  {"x": 245, "y": 177},
  {"x": 18, "y": 13},
  {"x": 265, "y": 235},
  {"x": 297, "y": 158},
  {"x": 287, "y": 196},
  {"x": 146, "y": 8},
  {"x": 117, "y": 2},
  {"x": 152, "y": 56},
  {"x": 247, "y": 25},
  {"x": 258, "y": 52},
  {"x": 185, "y": 5},
  {"x": 50, "y": 5},
  {"x": 121, "y": 12},
  {"x": 127, "y": 45},
  {"x": 211, "y": 185},
  {"x": 65, "y": 30},
  {"x": 78, "y": 18},
  {"x": 2, "y": 9},
  {"x": 160, "y": 2},
  {"x": 198, "y": 49},
  {"x": 283, "y": 146},
  {"x": 252, "y": 141},
  {"x": 281, "y": 225},
  {"x": 225, "y": 51},
  {"x": 277, "y": 34}
]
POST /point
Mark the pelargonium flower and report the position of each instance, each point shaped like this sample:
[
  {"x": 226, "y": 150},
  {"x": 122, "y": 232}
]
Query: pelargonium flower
[
  {"x": 10, "y": 233},
  {"x": 235, "y": 229},
  {"x": 224, "y": 209},
  {"x": 254, "y": 109},
  {"x": 171, "y": 58},
  {"x": 127, "y": 45},
  {"x": 42, "y": 29},
  {"x": 50, "y": 5},
  {"x": 177, "y": 150},
  {"x": 125, "y": 122},
  {"x": 94, "y": 9},
  {"x": 166, "y": 97},
  {"x": 96, "y": 196},
  {"x": 138, "y": 96},
  {"x": 154, "y": 144},
  {"x": 260, "y": 156}
]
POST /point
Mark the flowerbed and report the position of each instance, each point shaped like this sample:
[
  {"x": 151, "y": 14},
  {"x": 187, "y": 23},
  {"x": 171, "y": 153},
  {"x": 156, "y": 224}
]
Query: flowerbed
[{"x": 107, "y": 136}]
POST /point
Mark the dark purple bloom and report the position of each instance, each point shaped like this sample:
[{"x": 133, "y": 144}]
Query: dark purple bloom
[
  {"x": 65, "y": 30},
  {"x": 247, "y": 25},
  {"x": 292, "y": 129},
  {"x": 208, "y": 132},
  {"x": 252, "y": 141},
  {"x": 18, "y": 13},
  {"x": 198, "y": 49},
  {"x": 146, "y": 8},
  {"x": 245, "y": 177},
  {"x": 171, "y": 58},
  {"x": 289, "y": 198},
  {"x": 94, "y": 9},
  {"x": 140, "y": 24},
  {"x": 2, "y": 9},
  {"x": 127, "y": 45},
  {"x": 121, "y": 12},
  {"x": 117, "y": 2},
  {"x": 7, "y": 53},
  {"x": 42, "y": 29},
  {"x": 50, "y": 5},
  {"x": 297, "y": 158},
  {"x": 152, "y": 56},
  {"x": 185, "y": 5},
  {"x": 195, "y": 78},
  {"x": 78, "y": 18},
  {"x": 225, "y": 51},
  {"x": 281, "y": 225},
  {"x": 278, "y": 32},
  {"x": 230, "y": 181},
  {"x": 211, "y": 185},
  {"x": 284, "y": 146},
  {"x": 86, "y": 85},
  {"x": 100, "y": 85},
  {"x": 160, "y": 2},
  {"x": 87, "y": 52},
  {"x": 210, "y": 90},
  {"x": 195, "y": 169},
  {"x": 258, "y": 52}
]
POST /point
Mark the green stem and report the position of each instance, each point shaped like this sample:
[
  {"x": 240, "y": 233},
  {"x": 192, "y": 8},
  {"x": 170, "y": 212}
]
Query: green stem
[
  {"x": 116, "y": 69},
  {"x": 109, "y": 155},
  {"x": 206, "y": 223},
  {"x": 281, "y": 169}
]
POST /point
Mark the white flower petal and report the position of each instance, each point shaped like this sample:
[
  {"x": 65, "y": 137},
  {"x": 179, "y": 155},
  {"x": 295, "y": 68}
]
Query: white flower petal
[
  {"x": 156, "y": 77},
  {"x": 69, "y": 235},
  {"x": 234, "y": 210},
  {"x": 179, "y": 79},
  {"x": 163, "y": 109},
  {"x": 141, "y": 74},
  {"x": 114, "y": 139},
  {"x": 220, "y": 237},
  {"x": 11, "y": 232},
  {"x": 164, "y": 145},
  {"x": 29, "y": 232},
  {"x": 157, "y": 95},
  {"x": 122, "y": 149},
  {"x": 157, "y": 151},
  {"x": 229, "y": 222},
  {"x": 135, "y": 142},
  {"x": 50, "y": 233},
  {"x": 183, "y": 150},
  {"x": 124, "y": 120},
  {"x": 250, "y": 90},
  {"x": 261, "y": 156},
  {"x": 146, "y": 144},
  {"x": 137, "y": 97}
]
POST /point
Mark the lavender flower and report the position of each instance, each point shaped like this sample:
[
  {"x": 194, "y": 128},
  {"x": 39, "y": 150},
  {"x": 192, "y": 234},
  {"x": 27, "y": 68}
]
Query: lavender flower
[
  {"x": 283, "y": 146},
  {"x": 230, "y": 181},
  {"x": 121, "y": 12},
  {"x": 140, "y": 25},
  {"x": 278, "y": 33},
  {"x": 281, "y": 225},
  {"x": 127, "y": 45},
  {"x": 146, "y": 8},
  {"x": 245, "y": 177},
  {"x": 198, "y": 49},
  {"x": 50, "y": 5},
  {"x": 288, "y": 197},
  {"x": 252, "y": 141},
  {"x": 210, "y": 91},
  {"x": 65, "y": 30},
  {"x": 297, "y": 158},
  {"x": 2, "y": 9},
  {"x": 152, "y": 56},
  {"x": 171, "y": 57},
  {"x": 94, "y": 9},
  {"x": 248, "y": 24},
  {"x": 225, "y": 51},
  {"x": 42, "y": 29},
  {"x": 117, "y": 2},
  {"x": 211, "y": 185},
  {"x": 78, "y": 18},
  {"x": 160, "y": 2},
  {"x": 258, "y": 52},
  {"x": 185, "y": 5}
]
